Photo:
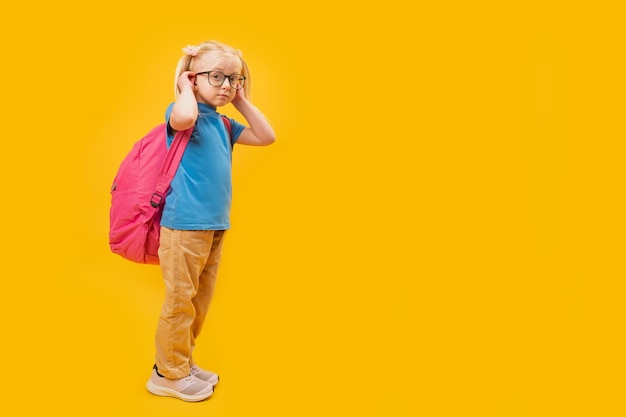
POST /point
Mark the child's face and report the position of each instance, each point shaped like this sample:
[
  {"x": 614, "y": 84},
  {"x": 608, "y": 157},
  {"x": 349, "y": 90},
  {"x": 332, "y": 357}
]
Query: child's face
[{"x": 214, "y": 93}]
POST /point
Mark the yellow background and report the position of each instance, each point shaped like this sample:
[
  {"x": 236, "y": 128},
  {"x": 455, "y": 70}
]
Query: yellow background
[{"x": 438, "y": 230}]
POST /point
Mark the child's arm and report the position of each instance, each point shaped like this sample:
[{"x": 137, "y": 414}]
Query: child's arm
[
  {"x": 260, "y": 132},
  {"x": 185, "y": 110}
]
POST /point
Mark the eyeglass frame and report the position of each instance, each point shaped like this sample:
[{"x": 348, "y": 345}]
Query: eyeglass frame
[{"x": 230, "y": 81}]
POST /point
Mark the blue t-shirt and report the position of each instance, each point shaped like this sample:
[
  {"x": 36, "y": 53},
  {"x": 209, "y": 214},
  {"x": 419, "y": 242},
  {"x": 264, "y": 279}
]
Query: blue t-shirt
[{"x": 200, "y": 194}]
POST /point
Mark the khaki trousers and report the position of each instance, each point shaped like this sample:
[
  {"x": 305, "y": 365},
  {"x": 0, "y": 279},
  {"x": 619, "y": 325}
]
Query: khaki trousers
[{"x": 189, "y": 261}]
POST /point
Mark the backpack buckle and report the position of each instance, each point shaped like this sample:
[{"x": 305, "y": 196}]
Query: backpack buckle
[{"x": 155, "y": 201}]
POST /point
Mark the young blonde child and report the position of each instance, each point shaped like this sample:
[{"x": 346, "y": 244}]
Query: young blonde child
[{"x": 196, "y": 213}]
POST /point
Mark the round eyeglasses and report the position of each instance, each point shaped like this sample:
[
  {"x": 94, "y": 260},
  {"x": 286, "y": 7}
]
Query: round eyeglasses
[{"x": 216, "y": 79}]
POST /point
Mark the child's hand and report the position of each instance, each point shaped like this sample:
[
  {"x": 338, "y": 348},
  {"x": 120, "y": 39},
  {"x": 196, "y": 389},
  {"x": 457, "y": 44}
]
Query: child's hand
[
  {"x": 187, "y": 79},
  {"x": 239, "y": 97}
]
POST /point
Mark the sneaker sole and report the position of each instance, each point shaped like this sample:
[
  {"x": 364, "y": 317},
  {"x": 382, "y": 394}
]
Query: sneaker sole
[{"x": 168, "y": 392}]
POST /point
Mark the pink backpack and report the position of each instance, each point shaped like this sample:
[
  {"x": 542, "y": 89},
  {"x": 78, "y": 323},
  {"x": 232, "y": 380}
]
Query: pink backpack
[{"x": 138, "y": 193}]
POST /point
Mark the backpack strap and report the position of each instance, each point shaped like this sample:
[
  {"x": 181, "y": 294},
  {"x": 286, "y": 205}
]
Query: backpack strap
[
  {"x": 228, "y": 126},
  {"x": 170, "y": 164}
]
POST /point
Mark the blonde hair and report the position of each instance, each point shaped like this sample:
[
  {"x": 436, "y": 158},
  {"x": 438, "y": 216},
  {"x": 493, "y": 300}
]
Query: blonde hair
[{"x": 207, "y": 50}]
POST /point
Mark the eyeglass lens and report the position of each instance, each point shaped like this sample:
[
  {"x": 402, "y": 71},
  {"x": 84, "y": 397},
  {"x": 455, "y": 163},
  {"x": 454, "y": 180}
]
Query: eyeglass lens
[{"x": 217, "y": 78}]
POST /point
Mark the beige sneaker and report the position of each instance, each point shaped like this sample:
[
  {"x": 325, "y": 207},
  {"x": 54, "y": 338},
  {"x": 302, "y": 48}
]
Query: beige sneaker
[
  {"x": 204, "y": 375},
  {"x": 188, "y": 388}
]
